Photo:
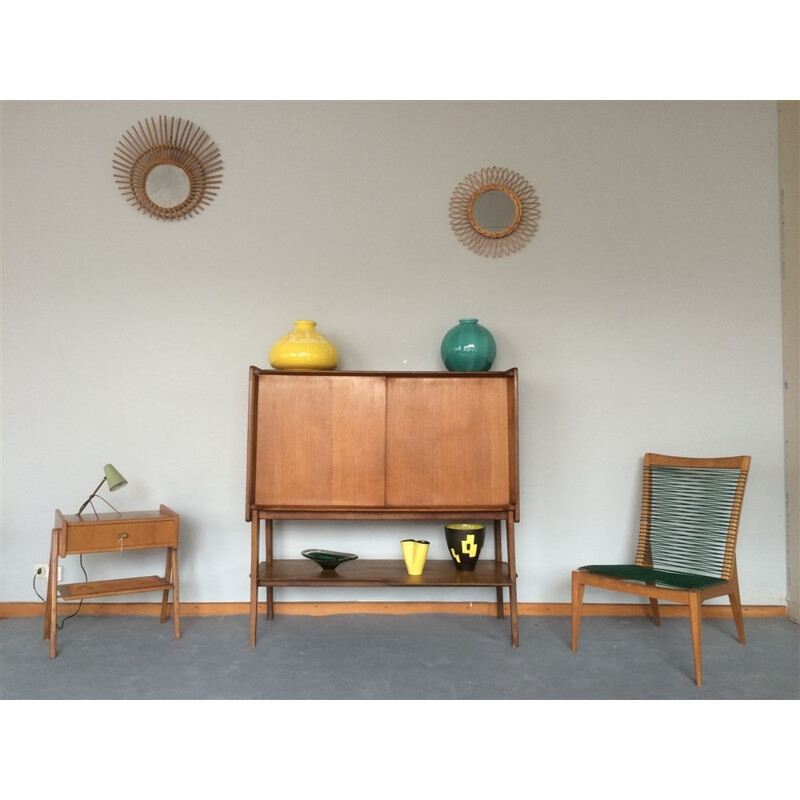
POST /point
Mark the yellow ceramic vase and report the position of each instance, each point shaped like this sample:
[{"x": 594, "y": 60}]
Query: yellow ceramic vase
[
  {"x": 415, "y": 553},
  {"x": 304, "y": 348}
]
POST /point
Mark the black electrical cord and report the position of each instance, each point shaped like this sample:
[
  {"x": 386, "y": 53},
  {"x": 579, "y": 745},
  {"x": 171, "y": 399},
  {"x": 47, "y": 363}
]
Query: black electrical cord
[
  {"x": 35, "y": 590},
  {"x": 86, "y": 577},
  {"x": 80, "y": 602}
]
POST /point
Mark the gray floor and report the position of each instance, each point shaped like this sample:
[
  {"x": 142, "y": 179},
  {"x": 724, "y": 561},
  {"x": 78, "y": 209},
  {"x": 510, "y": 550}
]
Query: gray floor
[{"x": 373, "y": 657}]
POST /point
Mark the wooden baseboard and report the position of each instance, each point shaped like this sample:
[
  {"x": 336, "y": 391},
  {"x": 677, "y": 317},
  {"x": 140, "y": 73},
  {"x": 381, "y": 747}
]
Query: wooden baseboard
[{"x": 8, "y": 610}]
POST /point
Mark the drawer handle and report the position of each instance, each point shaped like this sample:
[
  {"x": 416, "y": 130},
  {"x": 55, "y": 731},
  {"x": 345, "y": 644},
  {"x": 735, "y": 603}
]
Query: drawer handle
[{"x": 122, "y": 537}]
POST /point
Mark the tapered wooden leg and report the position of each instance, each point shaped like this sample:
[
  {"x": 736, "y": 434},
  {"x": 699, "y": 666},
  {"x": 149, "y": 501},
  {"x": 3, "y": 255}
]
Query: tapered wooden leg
[
  {"x": 498, "y": 557},
  {"x": 499, "y": 605},
  {"x": 512, "y": 589},
  {"x": 165, "y": 593},
  {"x": 654, "y": 610},
  {"x": 512, "y": 607},
  {"x": 254, "y": 530},
  {"x": 52, "y": 591},
  {"x": 269, "y": 555},
  {"x": 697, "y": 642},
  {"x": 270, "y": 612},
  {"x": 176, "y": 603},
  {"x": 577, "y": 605},
  {"x": 49, "y": 597},
  {"x": 736, "y": 604},
  {"x": 47, "y": 613}
]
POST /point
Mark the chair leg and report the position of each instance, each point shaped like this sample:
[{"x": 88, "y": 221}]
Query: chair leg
[
  {"x": 654, "y": 610},
  {"x": 736, "y": 604},
  {"x": 697, "y": 641},
  {"x": 577, "y": 604}
]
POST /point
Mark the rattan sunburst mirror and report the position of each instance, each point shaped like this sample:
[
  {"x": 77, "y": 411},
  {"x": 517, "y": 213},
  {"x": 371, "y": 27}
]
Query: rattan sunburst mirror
[
  {"x": 494, "y": 212},
  {"x": 168, "y": 168}
]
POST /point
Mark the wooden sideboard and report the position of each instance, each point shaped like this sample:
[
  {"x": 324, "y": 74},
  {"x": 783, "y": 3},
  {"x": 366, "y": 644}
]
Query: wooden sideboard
[{"x": 382, "y": 446}]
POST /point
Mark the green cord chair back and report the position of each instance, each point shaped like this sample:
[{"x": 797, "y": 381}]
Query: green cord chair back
[{"x": 686, "y": 553}]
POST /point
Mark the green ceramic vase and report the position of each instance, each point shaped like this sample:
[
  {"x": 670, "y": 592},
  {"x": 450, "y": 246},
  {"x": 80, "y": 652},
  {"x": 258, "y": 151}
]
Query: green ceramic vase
[{"x": 468, "y": 347}]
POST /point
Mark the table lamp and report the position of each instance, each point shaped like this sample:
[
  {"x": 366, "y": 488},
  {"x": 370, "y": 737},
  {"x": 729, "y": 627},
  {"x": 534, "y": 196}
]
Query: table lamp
[{"x": 115, "y": 481}]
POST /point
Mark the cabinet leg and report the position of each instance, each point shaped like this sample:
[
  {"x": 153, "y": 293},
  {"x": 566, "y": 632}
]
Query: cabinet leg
[
  {"x": 176, "y": 603},
  {"x": 51, "y": 624},
  {"x": 512, "y": 590},
  {"x": 254, "y": 536},
  {"x": 165, "y": 593},
  {"x": 253, "y": 616},
  {"x": 514, "y": 617},
  {"x": 268, "y": 555},
  {"x": 498, "y": 557},
  {"x": 47, "y": 603},
  {"x": 47, "y": 614}
]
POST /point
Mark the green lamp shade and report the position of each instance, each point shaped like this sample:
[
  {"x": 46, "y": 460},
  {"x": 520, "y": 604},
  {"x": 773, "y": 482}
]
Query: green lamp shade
[{"x": 113, "y": 478}]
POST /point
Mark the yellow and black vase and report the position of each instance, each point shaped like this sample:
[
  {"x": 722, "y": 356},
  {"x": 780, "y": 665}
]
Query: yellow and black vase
[{"x": 464, "y": 542}]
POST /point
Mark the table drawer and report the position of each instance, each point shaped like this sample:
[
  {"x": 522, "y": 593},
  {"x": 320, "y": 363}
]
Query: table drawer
[{"x": 120, "y": 536}]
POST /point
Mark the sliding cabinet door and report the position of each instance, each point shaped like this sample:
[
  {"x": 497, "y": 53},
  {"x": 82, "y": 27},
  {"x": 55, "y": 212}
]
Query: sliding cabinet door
[
  {"x": 448, "y": 442},
  {"x": 320, "y": 441}
]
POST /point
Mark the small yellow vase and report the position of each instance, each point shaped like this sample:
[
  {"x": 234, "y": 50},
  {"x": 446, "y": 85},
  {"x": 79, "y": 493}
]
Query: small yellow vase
[
  {"x": 304, "y": 348},
  {"x": 415, "y": 553}
]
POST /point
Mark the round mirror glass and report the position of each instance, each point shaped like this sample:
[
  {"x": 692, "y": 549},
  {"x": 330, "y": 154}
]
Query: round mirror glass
[
  {"x": 167, "y": 185},
  {"x": 494, "y": 211}
]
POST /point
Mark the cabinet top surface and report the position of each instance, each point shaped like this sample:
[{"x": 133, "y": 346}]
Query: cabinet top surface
[
  {"x": 387, "y": 373},
  {"x": 89, "y": 517}
]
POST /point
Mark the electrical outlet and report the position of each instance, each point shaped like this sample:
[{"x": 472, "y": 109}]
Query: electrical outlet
[{"x": 43, "y": 570}]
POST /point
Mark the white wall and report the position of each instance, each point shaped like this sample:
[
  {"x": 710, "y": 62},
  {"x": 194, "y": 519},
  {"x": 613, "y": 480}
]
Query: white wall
[
  {"x": 789, "y": 157},
  {"x": 644, "y": 315}
]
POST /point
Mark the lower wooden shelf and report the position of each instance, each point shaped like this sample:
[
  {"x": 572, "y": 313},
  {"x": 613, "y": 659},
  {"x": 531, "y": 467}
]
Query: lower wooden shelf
[
  {"x": 80, "y": 591},
  {"x": 381, "y": 572}
]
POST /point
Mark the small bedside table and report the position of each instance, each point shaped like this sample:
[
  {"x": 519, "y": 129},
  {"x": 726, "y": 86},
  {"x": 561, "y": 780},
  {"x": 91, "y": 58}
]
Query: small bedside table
[{"x": 113, "y": 533}]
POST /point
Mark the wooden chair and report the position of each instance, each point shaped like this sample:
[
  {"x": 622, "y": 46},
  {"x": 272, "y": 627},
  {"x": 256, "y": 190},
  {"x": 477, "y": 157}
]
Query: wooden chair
[{"x": 687, "y": 542}]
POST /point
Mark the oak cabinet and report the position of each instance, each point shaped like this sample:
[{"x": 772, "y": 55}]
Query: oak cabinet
[{"x": 382, "y": 445}]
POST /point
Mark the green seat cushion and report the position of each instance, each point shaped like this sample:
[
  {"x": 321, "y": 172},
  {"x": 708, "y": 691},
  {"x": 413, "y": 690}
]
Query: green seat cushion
[{"x": 678, "y": 580}]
